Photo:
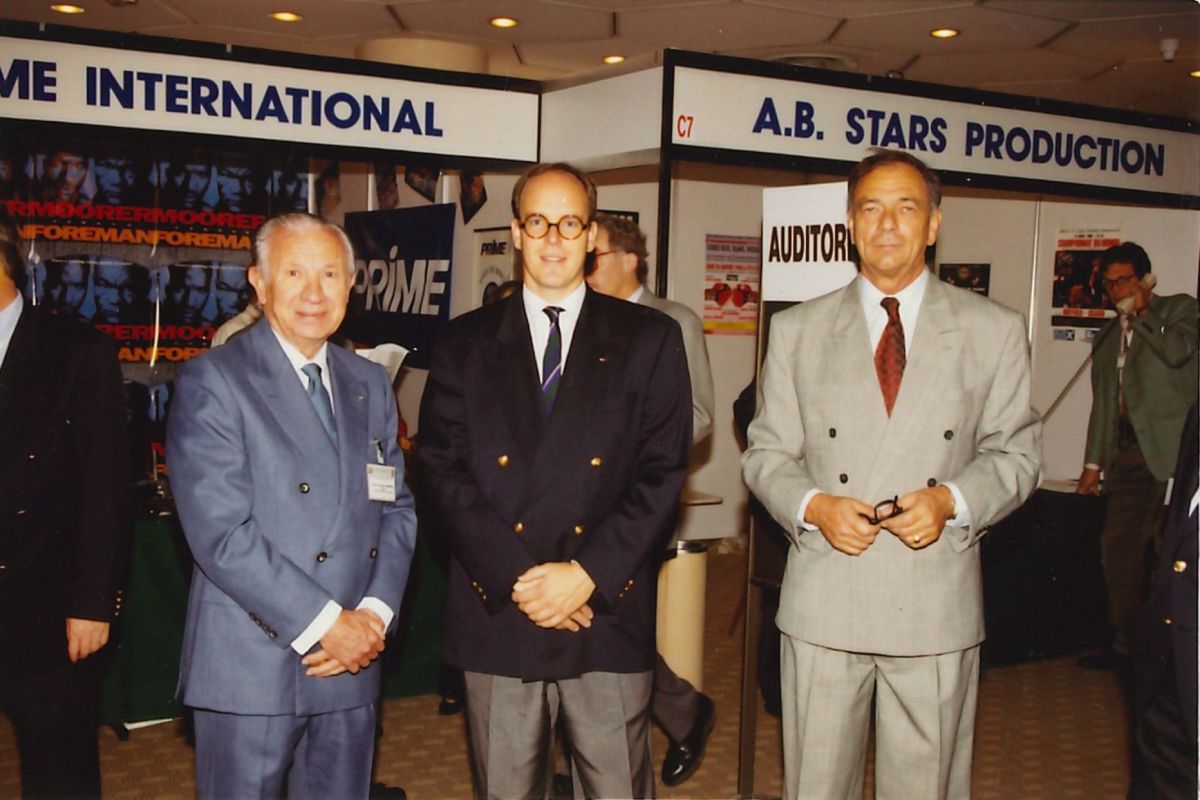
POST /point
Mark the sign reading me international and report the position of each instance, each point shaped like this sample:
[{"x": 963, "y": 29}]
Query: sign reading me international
[{"x": 89, "y": 85}]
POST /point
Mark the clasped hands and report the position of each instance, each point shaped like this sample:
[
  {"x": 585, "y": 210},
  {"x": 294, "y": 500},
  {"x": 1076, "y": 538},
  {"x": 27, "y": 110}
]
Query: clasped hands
[
  {"x": 555, "y": 595},
  {"x": 355, "y": 640},
  {"x": 846, "y": 522}
]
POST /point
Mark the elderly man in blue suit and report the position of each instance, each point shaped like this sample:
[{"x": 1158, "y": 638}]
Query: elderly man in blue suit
[{"x": 288, "y": 480}]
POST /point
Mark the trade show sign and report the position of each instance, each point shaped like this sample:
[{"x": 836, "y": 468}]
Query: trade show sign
[
  {"x": 122, "y": 88},
  {"x": 806, "y": 248},
  {"x": 752, "y": 113}
]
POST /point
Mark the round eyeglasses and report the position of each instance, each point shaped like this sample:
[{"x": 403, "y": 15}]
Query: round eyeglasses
[{"x": 538, "y": 227}]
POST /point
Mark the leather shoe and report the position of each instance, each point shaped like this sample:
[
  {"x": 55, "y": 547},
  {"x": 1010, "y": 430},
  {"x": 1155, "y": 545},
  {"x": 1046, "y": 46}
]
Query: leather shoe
[
  {"x": 683, "y": 758},
  {"x": 381, "y": 791}
]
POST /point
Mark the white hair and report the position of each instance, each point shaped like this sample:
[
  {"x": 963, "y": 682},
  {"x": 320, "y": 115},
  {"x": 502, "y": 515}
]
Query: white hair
[{"x": 295, "y": 221}]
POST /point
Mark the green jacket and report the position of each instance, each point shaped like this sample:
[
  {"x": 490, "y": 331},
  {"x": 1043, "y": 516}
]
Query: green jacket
[{"x": 1160, "y": 383}]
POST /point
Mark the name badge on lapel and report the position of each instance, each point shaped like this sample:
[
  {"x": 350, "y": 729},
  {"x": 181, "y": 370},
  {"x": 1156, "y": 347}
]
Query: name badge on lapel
[{"x": 381, "y": 478}]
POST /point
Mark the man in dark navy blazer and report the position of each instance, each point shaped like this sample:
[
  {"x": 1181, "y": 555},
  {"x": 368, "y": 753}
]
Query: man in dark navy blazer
[
  {"x": 555, "y": 430},
  {"x": 64, "y": 532},
  {"x": 1164, "y": 647}
]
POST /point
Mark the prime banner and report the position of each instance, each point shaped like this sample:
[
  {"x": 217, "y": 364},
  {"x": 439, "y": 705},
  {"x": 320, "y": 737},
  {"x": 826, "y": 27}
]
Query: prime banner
[
  {"x": 88, "y": 85},
  {"x": 790, "y": 117},
  {"x": 401, "y": 288}
]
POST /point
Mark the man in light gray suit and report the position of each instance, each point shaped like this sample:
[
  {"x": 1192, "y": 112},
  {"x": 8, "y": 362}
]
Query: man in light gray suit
[
  {"x": 896, "y": 386},
  {"x": 289, "y": 484},
  {"x": 619, "y": 269}
]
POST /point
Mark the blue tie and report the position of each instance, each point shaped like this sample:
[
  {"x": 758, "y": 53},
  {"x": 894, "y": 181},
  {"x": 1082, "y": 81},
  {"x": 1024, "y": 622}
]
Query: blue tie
[
  {"x": 551, "y": 360},
  {"x": 320, "y": 398}
]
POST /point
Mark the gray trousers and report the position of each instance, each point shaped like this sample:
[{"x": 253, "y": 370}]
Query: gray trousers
[
  {"x": 606, "y": 716},
  {"x": 1130, "y": 538},
  {"x": 675, "y": 702},
  {"x": 317, "y": 756},
  {"x": 924, "y": 723}
]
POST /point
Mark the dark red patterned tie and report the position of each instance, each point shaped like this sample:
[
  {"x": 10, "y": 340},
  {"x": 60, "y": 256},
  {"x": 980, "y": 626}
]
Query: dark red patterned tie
[{"x": 889, "y": 354}]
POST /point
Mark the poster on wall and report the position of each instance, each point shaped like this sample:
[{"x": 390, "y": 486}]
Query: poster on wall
[
  {"x": 493, "y": 264},
  {"x": 149, "y": 246},
  {"x": 731, "y": 279},
  {"x": 1078, "y": 300},
  {"x": 401, "y": 293},
  {"x": 976, "y": 277}
]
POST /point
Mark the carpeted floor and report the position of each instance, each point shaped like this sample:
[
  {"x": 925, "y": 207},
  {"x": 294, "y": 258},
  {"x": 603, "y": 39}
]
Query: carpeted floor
[{"x": 1046, "y": 730}]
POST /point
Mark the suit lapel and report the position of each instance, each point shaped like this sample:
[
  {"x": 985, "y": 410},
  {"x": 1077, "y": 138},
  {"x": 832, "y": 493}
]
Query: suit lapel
[
  {"x": 350, "y": 414},
  {"x": 512, "y": 376},
  {"x": 19, "y": 375},
  {"x": 591, "y": 361},
  {"x": 853, "y": 371},
  {"x": 286, "y": 401},
  {"x": 934, "y": 354}
]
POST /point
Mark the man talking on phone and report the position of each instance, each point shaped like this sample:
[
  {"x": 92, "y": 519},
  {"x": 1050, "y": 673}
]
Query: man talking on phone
[{"x": 1143, "y": 384}]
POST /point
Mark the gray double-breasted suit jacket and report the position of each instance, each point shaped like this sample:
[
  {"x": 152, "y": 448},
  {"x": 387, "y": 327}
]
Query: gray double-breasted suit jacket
[
  {"x": 962, "y": 416},
  {"x": 279, "y": 522}
]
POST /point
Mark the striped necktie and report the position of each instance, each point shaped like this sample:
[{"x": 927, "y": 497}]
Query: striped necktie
[
  {"x": 551, "y": 360},
  {"x": 889, "y": 354}
]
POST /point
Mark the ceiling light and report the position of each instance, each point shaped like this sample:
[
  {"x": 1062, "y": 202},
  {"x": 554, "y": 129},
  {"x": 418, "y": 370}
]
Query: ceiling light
[
  {"x": 286, "y": 16},
  {"x": 613, "y": 59},
  {"x": 1195, "y": 73},
  {"x": 67, "y": 8},
  {"x": 503, "y": 22},
  {"x": 943, "y": 33}
]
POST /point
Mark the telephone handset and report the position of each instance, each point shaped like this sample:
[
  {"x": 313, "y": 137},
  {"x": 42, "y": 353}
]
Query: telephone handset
[{"x": 1149, "y": 280}]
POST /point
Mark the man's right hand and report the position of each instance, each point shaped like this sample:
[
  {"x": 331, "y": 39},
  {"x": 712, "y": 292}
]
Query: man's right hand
[
  {"x": 1089, "y": 481},
  {"x": 843, "y": 522},
  {"x": 354, "y": 641}
]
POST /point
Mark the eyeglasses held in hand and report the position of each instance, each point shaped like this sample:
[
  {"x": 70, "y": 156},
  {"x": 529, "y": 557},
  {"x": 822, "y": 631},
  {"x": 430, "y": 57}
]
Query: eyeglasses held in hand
[{"x": 885, "y": 510}]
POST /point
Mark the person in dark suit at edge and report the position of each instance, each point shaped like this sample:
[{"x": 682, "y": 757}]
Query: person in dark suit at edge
[
  {"x": 1164, "y": 647},
  {"x": 555, "y": 430},
  {"x": 64, "y": 483}
]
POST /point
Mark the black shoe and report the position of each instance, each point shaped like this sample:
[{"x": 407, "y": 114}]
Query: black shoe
[
  {"x": 1104, "y": 660},
  {"x": 683, "y": 758},
  {"x": 450, "y": 706},
  {"x": 381, "y": 791}
]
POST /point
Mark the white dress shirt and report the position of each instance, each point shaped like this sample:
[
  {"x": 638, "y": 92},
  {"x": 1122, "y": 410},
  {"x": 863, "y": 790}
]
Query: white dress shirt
[
  {"x": 8, "y": 324},
  {"x": 539, "y": 323}
]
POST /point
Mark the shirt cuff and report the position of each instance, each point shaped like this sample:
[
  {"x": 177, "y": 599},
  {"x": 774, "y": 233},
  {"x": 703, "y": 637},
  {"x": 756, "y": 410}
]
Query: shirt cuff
[
  {"x": 962, "y": 514},
  {"x": 317, "y": 628},
  {"x": 1092, "y": 466},
  {"x": 800, "y": 523},
  {"x": 379, "y": 607}
]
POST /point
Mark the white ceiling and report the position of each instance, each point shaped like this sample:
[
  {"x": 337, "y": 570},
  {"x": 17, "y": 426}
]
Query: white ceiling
[{"x": 1100, "y": 52}]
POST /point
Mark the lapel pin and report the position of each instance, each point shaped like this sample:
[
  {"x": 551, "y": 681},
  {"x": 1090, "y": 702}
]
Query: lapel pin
[{"x": 602, "y": 359}]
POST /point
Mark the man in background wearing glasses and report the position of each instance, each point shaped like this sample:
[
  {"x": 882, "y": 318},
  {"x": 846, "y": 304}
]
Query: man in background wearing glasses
[
  {"x": 897, "y": 386},
  {"x": 1143, "y": 384},
  {"x": 555, "y": 432}
]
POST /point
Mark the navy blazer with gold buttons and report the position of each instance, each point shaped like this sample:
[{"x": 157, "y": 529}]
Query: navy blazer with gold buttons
[
  {"x": 64, "y": 483},
  {"x": 597, "y": 481}
]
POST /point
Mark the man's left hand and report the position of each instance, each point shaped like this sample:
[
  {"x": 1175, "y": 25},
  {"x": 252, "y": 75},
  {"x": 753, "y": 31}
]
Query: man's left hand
[
  {"x": 551, "y": 593},
  {"x": 925, "y": 514},
  {"x": 84, "y": 637}
]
